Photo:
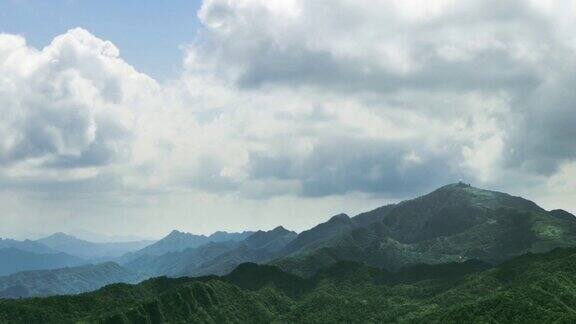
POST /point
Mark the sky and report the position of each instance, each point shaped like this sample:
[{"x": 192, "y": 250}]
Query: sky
[
  {"x": 149, "y": 33},
  {"x": 139, "y": 117}
]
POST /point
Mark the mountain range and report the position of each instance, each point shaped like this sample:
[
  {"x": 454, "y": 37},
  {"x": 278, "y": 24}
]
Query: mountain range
[
  {"x": 90, "y": 250},
  {"x": 214, "y": 257},
  {"x": 14, "y": 260},
  {"x": 407, "y": 258},
  {"x": 26, "y": 245},
  {"x": 178, "y": 241},
  {"x": 58, "y": 251},
  {"x": 454, "y": 223}
]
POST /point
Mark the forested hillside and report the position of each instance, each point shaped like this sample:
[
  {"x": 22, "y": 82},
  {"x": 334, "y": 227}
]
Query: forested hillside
[{"x": 531, "y": 288}]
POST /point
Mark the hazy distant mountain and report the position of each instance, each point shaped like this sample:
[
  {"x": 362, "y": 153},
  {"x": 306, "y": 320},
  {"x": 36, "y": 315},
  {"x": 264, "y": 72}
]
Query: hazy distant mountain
[
  {"x": 14, "y": 260},
  {"x": 104, "y": 238},
  {"x": 63, "y": 281},
  {"x": 213, "y": 257},
  {"x": 178, "y": 241},
  {"x": 259, "y": 247},
  {"x": 454, "y": 223},
  {"x": 221, "y": 236},
  {"x": 174, "y": 264},
  {"x": 26, "y": 245},
  {"x": 75, "y": 246}
]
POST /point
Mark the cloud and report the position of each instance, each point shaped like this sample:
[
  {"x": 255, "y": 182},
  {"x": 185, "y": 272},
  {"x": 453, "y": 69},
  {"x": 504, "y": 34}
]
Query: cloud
[
  {"x": 69, "y": 106},
  {"x": 299, "y": 100},
  {"x": 66, "y": 105},
  {"x": 499, "y": 72},
  {"x": 365, "y": 46}
]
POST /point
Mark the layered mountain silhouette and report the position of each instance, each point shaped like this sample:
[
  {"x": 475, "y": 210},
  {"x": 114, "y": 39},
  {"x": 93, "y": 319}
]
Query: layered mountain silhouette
[
  {"x": 26, "y": 245},
  {"x": 89, "y": 250},
  {"x": 213, "y": 257},
  {"x": 178, "y": 241},
  {"x": 260, "y": 247},
  {"x": 453, "y": 255},
  {"x": 174, "y": 264},
  {"x": 14, "y": 260}
]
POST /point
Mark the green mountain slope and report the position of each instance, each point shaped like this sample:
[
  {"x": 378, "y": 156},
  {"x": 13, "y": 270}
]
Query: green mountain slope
[
  {"x": 533, "y": 288},
  {"x": 454, "y": 223},
  {"x": 72, "y": 280}
]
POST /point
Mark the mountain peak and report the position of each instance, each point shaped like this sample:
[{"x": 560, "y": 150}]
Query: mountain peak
[
  {"x": 62, "y": 235},
  {"x": 59, "y": 238},
  {"x": 176, "y": 234},
  {"x": 280, "y": 229},
  {"x": 457, "y": 186},
  {"x": 340, "y": 218}
]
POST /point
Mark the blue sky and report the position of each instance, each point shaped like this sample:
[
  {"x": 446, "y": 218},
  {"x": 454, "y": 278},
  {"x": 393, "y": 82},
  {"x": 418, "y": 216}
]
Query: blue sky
[{"x": 148, "y": 33}]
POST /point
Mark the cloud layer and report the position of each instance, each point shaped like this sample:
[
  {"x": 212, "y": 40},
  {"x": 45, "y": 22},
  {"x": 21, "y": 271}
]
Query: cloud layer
[{"x": 302, "y": 100}]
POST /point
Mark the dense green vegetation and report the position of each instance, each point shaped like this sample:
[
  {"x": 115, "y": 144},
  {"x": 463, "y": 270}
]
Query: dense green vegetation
[{"x": 533, "y": 288}]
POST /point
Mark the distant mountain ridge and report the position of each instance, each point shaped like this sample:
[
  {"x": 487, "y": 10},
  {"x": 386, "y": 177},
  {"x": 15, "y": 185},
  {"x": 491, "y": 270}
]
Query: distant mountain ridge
[
  {"x": 261, "y": 246},
  {"x": 89, "y": 250},
  {"x": 178, "y": 241},
  {"x": 14, "y": 260},
  {"x": 213, "y": 257},
  {"x": 26, "y": 245},
  {"x": 174, "y": 264}
]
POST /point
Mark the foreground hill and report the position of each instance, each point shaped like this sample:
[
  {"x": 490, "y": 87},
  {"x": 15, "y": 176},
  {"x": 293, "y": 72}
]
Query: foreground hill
[
  {"x": 14, "y": 260},
  {"x": 531, "y": 288},
  {"x": 71, "y": 280},
  {"x": 454, "y": 223}
]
